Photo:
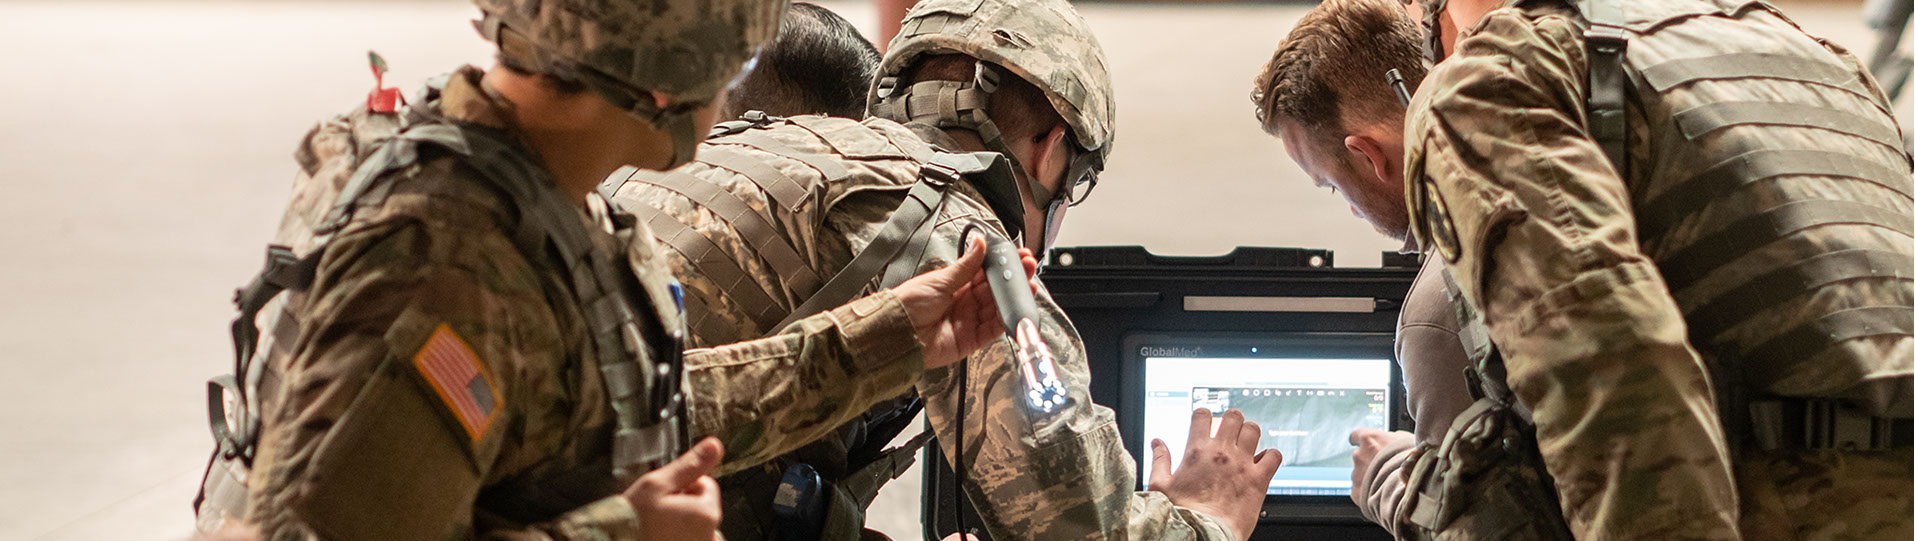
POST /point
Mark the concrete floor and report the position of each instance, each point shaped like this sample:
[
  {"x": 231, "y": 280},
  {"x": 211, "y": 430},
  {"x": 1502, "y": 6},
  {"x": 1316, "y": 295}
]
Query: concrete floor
[{"x": 147, "y": 146}]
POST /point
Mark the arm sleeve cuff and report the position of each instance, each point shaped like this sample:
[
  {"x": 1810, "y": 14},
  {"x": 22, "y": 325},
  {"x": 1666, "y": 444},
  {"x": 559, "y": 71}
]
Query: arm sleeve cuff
[{"x": 879, "y": 335}]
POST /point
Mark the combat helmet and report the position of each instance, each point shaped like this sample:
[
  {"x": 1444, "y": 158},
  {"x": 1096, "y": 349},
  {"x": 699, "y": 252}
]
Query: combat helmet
[
  {"x": 688, "y": 49},
  {"x": 1044, "y": 42}
]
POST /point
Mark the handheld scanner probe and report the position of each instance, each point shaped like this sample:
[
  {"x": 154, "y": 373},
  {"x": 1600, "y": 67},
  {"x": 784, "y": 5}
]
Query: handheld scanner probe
[{"x": 1004, "y": 270}]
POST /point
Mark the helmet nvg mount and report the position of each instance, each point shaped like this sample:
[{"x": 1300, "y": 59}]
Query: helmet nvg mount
[{"x": 687, "y": 49}]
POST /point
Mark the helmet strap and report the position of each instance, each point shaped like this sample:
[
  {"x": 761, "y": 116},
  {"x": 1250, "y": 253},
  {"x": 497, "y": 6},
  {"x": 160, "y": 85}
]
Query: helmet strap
[{"x": 964, "y": 105}]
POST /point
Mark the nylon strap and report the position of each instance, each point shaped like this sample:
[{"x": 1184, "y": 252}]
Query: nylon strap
[
  {"x": 1684, "y": 198},
  {"x": 752, "y": 225},
  {"x": 863, "y": 483},
  {"x": 830, "y": 169},
  {"x": 1701, "y": 120},
  {"x": 1672, "y": 73},
  {"x": 1750, "y": 233},
  {"x": 907, "y": 264},
  {"x": 1788, "y": 350},
  {"x": 1607, "y": 43},
  {"x": 706, "y": 326},
  {"x": 789, "y": 193},
  {"x": 713, "y": 263},
  {"x": 1733, "y": 306},
  {"x": 919, "y": 205}
]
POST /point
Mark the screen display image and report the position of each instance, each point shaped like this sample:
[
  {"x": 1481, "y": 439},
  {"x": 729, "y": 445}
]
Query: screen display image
[{"x": 1306, "y": 407}]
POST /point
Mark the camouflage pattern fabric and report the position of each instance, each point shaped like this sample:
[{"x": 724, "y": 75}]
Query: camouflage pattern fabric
[
  {"x": 1062, "y": 477},
  {"x": 1574, "y": 274},
  {"x": 686, "y": 49},
  {"x": 1042, "y": 41},
  {"x": 365, "y": 439}
]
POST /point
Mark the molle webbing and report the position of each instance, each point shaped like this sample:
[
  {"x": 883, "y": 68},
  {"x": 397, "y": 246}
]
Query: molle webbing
[
  {"x": 832, "y": 171},
  {"x": 705, "y": 327},
  {"x": 1702, "y": 120},
  {"x": 1672, "y": 73},
  {"x": 1781, "y": 354},
  {"x": 788, "y": 193},
  {"x": 1663, "y": 210},
  {"x": 1752, "y": 232},
  {"x": 755, "y": 228},
  {"x": 1726, "y": 310},
  {"x": 714, "y": 264}
]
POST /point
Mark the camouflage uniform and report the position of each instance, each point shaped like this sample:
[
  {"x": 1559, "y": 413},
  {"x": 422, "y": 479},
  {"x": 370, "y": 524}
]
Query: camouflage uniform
[
  {"x": 363, "y": 441},
  {"x": 444, "y": 379},
  {"x": 1612, "y": 296},
  {"x": 1034, "y": 478}
]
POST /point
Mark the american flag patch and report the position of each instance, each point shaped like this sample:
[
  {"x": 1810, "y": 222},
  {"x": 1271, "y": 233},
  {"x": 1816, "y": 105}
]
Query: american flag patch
[{"x": 461, "y": 381}]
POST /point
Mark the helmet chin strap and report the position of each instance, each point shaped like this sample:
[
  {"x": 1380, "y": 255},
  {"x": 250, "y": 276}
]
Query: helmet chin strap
[{"x": 963, "y": 105}]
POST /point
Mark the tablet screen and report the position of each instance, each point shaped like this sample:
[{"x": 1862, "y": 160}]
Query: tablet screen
[{"x": 1306, "y": 407}]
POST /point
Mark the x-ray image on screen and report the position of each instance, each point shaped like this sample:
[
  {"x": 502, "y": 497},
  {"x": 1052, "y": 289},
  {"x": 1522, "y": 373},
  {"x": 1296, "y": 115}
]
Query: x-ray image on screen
[{"x": 1305, "y": 408}]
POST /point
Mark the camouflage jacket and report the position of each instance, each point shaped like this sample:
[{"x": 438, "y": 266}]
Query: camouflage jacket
[
  {"x": 1586, "y": 283},
  {"x": 1066, "y": 476},
  {"x": 441, "y": 387}
]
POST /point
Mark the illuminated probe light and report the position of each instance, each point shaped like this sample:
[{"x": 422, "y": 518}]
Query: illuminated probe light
[{"x": 1004, "y": 270}]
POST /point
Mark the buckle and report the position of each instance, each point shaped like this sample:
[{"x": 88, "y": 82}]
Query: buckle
[
  {"x": 1606, "y": 39},
  {"x": 938, "y": 174}
]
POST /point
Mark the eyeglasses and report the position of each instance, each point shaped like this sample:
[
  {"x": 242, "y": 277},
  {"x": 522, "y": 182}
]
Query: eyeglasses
[{"x": 1082, "y": 174}]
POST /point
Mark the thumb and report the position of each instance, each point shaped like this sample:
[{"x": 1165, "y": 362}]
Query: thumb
[
  {"x": 698, "y": 462},
  {"x": 1159, "y": 464},
  {"x": 966, "y": 267}
]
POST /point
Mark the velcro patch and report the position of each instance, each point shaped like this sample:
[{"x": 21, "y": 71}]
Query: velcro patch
[{"x": 460, "y": 379}]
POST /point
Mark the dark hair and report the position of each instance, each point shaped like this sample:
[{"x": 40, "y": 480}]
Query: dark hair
[
  {"x": 819, "y": 64},
  {"x": 1018, "y": 107},
  {"x": 1335, "y": 57}
]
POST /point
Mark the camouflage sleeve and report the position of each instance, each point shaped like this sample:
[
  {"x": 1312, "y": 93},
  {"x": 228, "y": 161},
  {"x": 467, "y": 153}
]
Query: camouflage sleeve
[
  {"x": 366, "y": 439},
  {"x": 1536, "y": 226},
  {"x": 767, "y": 397},
  {"x": 1063, "y": 475}
]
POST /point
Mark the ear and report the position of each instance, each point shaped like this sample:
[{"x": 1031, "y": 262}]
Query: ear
[
  {"x": 1049, "y": 158},
  {"x": 1372, "y": 155}
]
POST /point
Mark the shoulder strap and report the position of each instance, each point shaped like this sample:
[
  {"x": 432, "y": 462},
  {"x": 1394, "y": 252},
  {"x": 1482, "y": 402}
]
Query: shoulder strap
[
  {"x": 906, "y": 225},
  {"x": 1607, "y": 42}
]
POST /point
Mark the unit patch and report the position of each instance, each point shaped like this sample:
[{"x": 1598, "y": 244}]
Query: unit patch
[{"x": 460, "y": 379}]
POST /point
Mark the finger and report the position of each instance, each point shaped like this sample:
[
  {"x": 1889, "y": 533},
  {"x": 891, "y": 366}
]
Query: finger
[
  {"x": 1160, "y": 466},
  {"x": 1029, "y": 260},
  {"x": 1230, "y": 426},
  {"x": 698, "y": 462},
  {"x": 1199, "y": 427},
  {"x": 1248, "y": 438},
  {"x": 969, "y": 267},
  {"x": 1267, "y": 463}
]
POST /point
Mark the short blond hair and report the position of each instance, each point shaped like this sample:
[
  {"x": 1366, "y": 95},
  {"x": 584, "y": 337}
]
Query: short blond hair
[{"x": 1335, "y": 59}]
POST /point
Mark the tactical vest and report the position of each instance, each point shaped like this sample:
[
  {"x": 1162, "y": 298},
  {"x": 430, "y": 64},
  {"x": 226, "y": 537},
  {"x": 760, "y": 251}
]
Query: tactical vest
[
  {"x": 345, "y": 165},
  {"x": 1771, "y": 186},
  {"x": 746, "y": 220}
]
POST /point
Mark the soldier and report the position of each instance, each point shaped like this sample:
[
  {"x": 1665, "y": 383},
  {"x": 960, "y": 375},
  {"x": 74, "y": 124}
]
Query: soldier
[
  {"x": 484, "y": 349},
  {"x": 779, "y": 216},
  {"x": 1687, "y": 226},
  {"x": 818, "y": 65},
  {"x": 1324, "y": 93}
]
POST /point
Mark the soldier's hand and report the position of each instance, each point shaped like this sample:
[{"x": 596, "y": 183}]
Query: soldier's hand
[
  {"x": 1368, "y": 442},
  {"x": 952, "y": 309},
  {"x": 680, "y": 500},
  {"x": 1222, "y": 475}
]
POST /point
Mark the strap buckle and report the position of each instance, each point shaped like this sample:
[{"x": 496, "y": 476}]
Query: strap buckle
[{"x": 1606, "y": 39}]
